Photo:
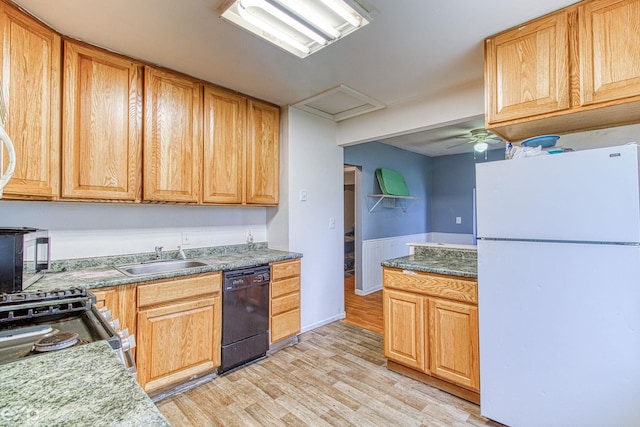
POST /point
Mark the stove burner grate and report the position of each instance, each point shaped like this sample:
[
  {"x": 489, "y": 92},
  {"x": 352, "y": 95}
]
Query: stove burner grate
[{"x": 58, "y": 341}]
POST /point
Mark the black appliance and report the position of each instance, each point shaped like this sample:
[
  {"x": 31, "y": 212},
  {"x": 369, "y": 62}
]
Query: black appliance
[
  {"x": 24, "y": 256},
  {"x": 245, "y": 316},
  {"x": 33, "y": 323}
]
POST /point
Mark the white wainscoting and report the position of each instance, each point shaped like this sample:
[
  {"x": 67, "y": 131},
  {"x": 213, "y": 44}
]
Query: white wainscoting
[{"x": 375, "y": 251}]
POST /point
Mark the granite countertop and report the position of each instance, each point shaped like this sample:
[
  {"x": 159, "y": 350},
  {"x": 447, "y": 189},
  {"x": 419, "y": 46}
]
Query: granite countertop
[
  {"x": 93, "y": 273},
  {"x": 93, "y": 390},
  {"x": 442, "y": 260}
]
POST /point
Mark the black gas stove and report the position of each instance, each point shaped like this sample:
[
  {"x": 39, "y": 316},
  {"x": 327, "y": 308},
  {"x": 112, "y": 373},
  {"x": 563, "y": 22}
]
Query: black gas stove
[{"x": 34, "y": 323}]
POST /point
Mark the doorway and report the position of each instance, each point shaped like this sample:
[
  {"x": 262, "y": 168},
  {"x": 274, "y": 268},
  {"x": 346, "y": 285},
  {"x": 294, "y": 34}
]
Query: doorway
[{"x": 362, "y": 310}]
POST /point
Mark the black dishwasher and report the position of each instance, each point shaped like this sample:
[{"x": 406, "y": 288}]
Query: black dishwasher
[{"x": 245, "y": 316}]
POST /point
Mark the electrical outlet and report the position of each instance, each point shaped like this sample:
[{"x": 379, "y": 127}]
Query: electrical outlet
[
  {"x": 332, "y": 222},
  {"x": 458, "y": 220},
  {"x": 186, "y": 238},
  {"x": 303, "y": 195}
]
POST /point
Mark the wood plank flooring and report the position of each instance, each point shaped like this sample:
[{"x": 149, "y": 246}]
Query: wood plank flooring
[
  {"x": 335, "y": 376},
  {"x": 364, "y": 311}
]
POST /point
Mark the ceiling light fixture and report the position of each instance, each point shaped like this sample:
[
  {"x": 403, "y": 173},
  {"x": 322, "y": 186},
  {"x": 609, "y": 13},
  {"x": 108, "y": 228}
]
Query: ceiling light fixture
[
  {"x": 301, "y": 27},
  {"x": 480, "y": 147}
]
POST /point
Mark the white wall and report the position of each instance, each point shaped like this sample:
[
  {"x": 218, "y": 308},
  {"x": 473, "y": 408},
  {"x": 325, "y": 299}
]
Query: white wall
[
  {"x": 80, "y": 230},
  {"x": 315, "y": 165},
  {"x": 451, "y": 106}
]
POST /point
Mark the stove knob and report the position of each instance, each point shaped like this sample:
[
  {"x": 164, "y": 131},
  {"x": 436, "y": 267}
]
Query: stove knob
[
  {"x": 128, "y": 341},
  {"x": 115, "y": 324},
  {"x": 105, "y": 313}
]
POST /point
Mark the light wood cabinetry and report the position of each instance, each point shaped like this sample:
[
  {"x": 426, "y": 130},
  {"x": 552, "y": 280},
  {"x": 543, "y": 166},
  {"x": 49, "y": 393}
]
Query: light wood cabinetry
[
  {"x": 172, "y": 137},
  {"x": 263, "y": 153},
  {"x": 608, "y": 40},
  {"x": 285, "y": 300},
  {"x": 121, "y": 301},
  {"x": 225, "y": 115},
  {"x": 102, "y": 125},
  {"x": 568, "y": 71},
  {"x": 30, "y": 78},
  {"x": 179, "y": 329},
  {"x": 527, "y": 70},
  {"x": 431, "y": 327},
  {"x": 404, "y": 329},
  {"x": 453, "y": 331}
]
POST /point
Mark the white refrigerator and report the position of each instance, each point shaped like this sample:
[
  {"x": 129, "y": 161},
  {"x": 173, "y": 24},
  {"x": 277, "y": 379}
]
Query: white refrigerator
[{"x": 559, "y": 289}]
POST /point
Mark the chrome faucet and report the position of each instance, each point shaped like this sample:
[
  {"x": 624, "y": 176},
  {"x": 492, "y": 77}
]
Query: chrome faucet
[
  {"x": 181, "y": 254},
  {"x": 158, "y": 252}
]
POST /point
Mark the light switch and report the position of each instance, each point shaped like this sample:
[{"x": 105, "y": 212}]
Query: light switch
[
  {"x": 303, "y": 195},
  {"x": 458, "y": 220},
  {"x": 332, "y": 222}
]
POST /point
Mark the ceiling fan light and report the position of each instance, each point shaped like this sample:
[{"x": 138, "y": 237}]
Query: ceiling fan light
[{"x": 480, "y": 147}]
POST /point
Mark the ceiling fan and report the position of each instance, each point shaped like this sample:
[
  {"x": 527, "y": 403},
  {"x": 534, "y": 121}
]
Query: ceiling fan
[{"x": 480, "y": 138}]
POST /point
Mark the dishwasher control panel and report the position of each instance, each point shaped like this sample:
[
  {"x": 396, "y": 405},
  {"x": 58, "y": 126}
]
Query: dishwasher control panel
[{"x": 242, "y": 278}]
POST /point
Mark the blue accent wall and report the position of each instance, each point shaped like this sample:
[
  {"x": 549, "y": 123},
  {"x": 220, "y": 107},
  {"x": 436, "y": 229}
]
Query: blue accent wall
[
  {"x": 453, "y": 179},
  {"x": 384, "y": 222},
  {"x": 443, "y": 185}
]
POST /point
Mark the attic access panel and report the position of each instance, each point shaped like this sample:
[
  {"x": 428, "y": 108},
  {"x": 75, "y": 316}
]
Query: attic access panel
[{"x": 339, "y": 103}]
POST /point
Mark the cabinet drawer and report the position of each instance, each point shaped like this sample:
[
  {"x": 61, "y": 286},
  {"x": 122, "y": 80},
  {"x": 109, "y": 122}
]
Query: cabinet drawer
[
  {"x": 285, "y": 303},
  {"x": 284, "y": 287},
  {"x": 285, "y": 269},
  {"x": 455, "y": 288},
  {"x": 171, "y": 290},
  {"x": 285, "y": 325}
]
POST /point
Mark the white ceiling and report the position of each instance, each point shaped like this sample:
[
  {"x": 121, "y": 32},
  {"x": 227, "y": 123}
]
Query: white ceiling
[{"x": 413, "y": 49}]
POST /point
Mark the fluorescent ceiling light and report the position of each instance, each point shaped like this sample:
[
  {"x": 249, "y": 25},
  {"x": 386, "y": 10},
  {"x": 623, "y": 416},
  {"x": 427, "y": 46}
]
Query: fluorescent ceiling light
[{"x": 301, "y": 27}]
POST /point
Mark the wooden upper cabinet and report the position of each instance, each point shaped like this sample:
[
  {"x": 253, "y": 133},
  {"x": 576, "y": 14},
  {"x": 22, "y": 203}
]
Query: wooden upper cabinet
[
  {"x": 31, "y": 59},
  {"x": 225, "y": 115},
  {"x": 527, "y": 69},
  {"x": 102, "y": 125},
  {"x": 609, "y": 58},
  {"x": 263, "y": 152},
  {"x": 573, "y": 70},
  {"x": 172, "y": 137}
]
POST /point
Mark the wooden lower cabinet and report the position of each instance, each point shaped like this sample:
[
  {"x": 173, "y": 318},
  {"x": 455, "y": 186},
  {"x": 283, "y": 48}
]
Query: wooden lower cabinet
[
  {"x": 404, "y": 329},
  {"x": 284, "y": 319},
  {"x": 453, "y": 331},
  {"x": 431, "y": 338},
  {"x": 121, "y": 301},
  {"x": 179, "y": 326}
]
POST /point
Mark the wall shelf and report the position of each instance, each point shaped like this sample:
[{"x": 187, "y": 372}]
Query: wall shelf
[{"x": 393, "y": 202}]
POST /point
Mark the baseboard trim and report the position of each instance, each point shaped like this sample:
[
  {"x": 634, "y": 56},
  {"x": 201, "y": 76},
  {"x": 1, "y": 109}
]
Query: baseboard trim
[
  {"x": 368, "y": 291},
  {"x": 315, "y": 325}
]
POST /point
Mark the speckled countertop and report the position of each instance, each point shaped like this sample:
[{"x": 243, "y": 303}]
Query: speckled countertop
[
  {"x": 441, "y": 260},
  {"x": 85, "y": 385},
  {"x": 93, "y": 273}
]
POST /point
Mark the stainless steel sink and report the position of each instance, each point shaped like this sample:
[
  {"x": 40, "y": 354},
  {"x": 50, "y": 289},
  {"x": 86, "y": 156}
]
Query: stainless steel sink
[{"x": 158, "y": 267}]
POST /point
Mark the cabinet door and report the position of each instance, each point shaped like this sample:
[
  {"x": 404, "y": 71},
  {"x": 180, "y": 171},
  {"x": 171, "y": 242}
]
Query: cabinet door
[
  {"x": 224, "y": 146},
  {"x": 30, "y": 78},
  {"x": 453, "y": 332},
  {"x": 172, "y": 137},
  {"x": 609, "y": 59},
  {"x": 121, "y": 301},
  {"x": 527, "y": 70},
  {"x": 178, "y": 341},
  {"x": 404, "y": 330},
  {"x": 263, "y": 153},
  {"x": 102, "y": 125}
]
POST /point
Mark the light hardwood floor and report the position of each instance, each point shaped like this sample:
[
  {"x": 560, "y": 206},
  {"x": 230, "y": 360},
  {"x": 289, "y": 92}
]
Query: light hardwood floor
[
  {"x": 335, "y": 376},
  {"x": 364, "y": 311}
]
